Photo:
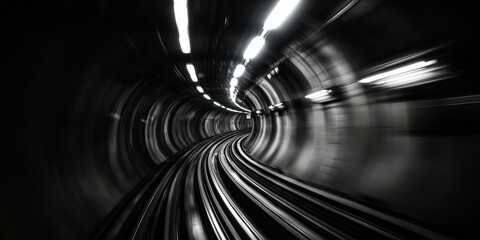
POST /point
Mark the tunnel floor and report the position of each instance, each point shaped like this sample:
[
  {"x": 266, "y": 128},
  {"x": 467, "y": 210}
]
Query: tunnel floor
[{"x": 215, "y": 190}]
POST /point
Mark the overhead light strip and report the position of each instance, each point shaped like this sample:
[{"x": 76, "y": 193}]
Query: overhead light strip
[
  {"x": 181, "y": 17},
  {"x": 280, "y": 12},
  {"x": 239, "y": 70},
  {"x": 254, "y": 47},
  {"x": 398, "y": 71},
  {"x": 192, "y": 72},
  {"x": 278, "y": 15}
]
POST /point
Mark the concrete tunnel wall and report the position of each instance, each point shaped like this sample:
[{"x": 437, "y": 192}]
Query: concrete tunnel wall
[
  {"x": 373, "y": 145},
  {"x": 89, "y": 120}
]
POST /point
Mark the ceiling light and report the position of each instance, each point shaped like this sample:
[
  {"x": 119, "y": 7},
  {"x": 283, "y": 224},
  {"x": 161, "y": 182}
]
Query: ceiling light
[
  {"x": 281, "y": 11},
  {"x": 206, "y": 96},
  {"x": 397, "y": 71},
  {"x": 239, "y": 70},
  {"x": 200, "y": 89},
  {"x": 181, "y": 18},
  {"x": 233, "y": 82},
  {"x": 191, "y": 71},
  {"x": 216, "y": 103},
  {"x": 254, "y": 47},
  {"x": 319, "y": 95}
]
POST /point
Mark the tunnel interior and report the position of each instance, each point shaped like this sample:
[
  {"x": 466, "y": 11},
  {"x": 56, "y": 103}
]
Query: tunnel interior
[{"x": 100, "y": 101}]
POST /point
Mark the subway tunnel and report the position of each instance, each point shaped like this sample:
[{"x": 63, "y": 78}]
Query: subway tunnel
[{"x": 240, "y": 119}]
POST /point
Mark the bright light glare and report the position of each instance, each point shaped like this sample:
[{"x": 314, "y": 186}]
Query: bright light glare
[
  {"x": 318, "y": 96},
  {"x": 233, "y": 82},
  {"x": 216, "y": 103},
  {"x": 191, "y": 71},
  {"x": 232, "y": 90},
  {"x": 206, "y": 96},
  {"x": 185, "y": 44},
  {"x": 254, "y": 47},
  {"x": 398, "y": 71},
  {"x": 239, "y": 70},
  {"x": 281, "y": 11},
  {"x": 238, "y": 105},
  {"x": 181, "y": 17},
  {"x": 233, "y": 110},
  {"x": 200, "y": 89},
  {"x": 407, "y": 78}
]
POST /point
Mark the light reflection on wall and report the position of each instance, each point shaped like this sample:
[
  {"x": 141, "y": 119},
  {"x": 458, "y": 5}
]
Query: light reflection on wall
[{"x": 366, "y": 138}]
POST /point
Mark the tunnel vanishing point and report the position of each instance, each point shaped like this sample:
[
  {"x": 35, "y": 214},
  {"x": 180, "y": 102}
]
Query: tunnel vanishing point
[{"x": 240, "y": 119}]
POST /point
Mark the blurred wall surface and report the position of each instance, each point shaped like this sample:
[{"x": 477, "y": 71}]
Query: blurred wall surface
[
  {"x": 85, "y": 119},
  {"x": 404, "y": 141},
  {"x": 93, "y": 99}
]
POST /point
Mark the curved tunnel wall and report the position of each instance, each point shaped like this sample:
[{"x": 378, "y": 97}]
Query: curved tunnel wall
[
  {"x": 369, "y": 142},
  {"x": 90, "y": 119}
]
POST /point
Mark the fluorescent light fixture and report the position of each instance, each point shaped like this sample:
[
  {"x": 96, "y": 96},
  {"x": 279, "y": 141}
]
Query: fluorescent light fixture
[
  {"x": 276, "y": 69},
  {"x": 216, "y": 103},
  {"x": 181, "y": 18},
  {"x": 233, "y": 82},
  {"x": 200, "y": 89},
  {"x": 185, "y": 44},
  {"x": 239, "y": 70},
  {"x": 319, "y": 95},
  {"x": 276, "y": 106},
  {"x": 254, "y": 47},
  {"x": 408, "y": 78},
  {"x": 281, "y": 11},
  {"x": 398, "y": 71},
  {"x": 206, "y": 96},
  {"x": 269, "y": 76},
  {"x": 191, "y": 71}
]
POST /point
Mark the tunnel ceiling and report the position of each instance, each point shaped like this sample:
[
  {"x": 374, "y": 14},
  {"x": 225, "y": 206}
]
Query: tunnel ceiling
[
  {"x": 220, "y": 31},
  {"x": 219, "y": 34}
]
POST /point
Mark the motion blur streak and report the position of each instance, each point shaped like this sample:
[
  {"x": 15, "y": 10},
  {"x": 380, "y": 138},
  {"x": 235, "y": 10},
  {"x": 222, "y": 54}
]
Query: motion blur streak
[
  {"x": 357, "y": 119},
  {"x": 227, "y": 194}
]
